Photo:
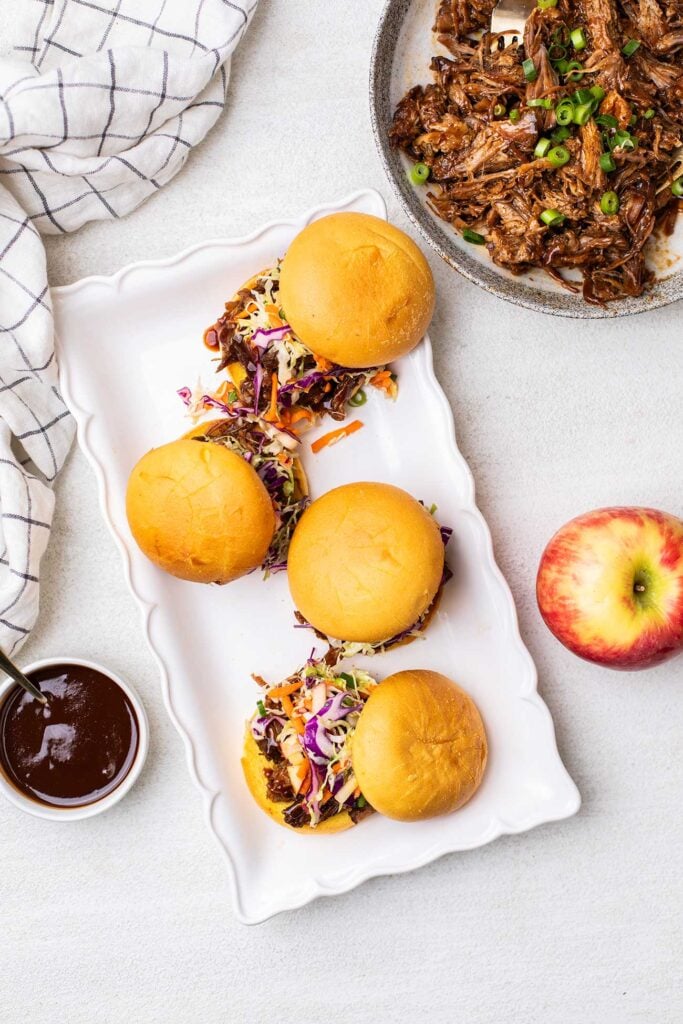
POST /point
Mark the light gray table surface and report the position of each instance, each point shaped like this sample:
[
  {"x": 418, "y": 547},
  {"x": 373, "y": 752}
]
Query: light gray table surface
[{"x": 126, "y": 918}]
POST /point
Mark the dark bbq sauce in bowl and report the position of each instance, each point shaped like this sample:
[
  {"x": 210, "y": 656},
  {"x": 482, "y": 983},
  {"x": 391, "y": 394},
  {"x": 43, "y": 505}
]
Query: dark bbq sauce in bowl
[{"x": 75, "y": 750}]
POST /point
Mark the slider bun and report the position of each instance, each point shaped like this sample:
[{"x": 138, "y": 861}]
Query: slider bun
[
  {"x": 365, "y": 562},
  {"x": 419, "y": 748},
  {"x": 199, "y": 511},
  {"x": 253, "y": 763},
  {"x": 356, "y": 290}
]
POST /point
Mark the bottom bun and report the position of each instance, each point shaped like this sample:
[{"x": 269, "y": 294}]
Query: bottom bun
[{"x": 253, "y": 763}]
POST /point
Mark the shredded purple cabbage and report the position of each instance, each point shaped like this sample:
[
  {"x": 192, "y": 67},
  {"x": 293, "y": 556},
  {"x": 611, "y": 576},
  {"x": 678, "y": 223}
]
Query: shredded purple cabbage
[
  {"x": 303, "y": 383},
  {"x": 272, "y": 334}
]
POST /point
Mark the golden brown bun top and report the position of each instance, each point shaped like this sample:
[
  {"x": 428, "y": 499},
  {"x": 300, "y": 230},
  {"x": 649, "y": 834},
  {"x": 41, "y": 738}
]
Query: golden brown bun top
[
  {"x": 253, "y": 763},
  {"x": 419, "y": 748},
  {"x": 356, "y": 290},
  {"x": 365, "y": 562},
  {"x": 199, "y": 511}
]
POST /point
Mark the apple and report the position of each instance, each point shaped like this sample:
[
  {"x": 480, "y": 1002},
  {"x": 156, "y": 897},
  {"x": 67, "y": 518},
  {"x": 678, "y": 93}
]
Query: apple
[{"x": 610, "y": 586}]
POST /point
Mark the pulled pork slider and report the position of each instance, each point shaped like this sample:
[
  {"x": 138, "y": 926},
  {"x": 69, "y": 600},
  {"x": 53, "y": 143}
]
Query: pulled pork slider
[
  {"x": 199, "y": 511},
  {"x": 419, "y": 748},
  {"x": 356, "y": 290},
  {"x": 296, "y": 758},
  {"x": 365, "y": 563}
]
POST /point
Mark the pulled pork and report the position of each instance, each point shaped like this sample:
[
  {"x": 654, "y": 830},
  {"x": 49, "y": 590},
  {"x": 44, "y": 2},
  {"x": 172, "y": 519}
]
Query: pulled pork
[{"x": 484, "y": 165}]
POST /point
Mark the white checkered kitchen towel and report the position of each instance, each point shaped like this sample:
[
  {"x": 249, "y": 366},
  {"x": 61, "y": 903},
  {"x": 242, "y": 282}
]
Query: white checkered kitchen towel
[{"x": 100, "y": 103}]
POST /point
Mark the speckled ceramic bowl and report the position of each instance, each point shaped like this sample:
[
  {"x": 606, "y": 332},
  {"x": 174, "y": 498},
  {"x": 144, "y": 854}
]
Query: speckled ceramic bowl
[{"x": 403, "y": 48}]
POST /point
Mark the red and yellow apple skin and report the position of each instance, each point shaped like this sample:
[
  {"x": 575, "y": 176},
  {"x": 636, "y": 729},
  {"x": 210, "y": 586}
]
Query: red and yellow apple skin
[{"x": 610, "y": 586}]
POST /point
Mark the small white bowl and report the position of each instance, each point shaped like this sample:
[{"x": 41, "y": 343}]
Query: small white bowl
[{"x": 25, "y": 803}]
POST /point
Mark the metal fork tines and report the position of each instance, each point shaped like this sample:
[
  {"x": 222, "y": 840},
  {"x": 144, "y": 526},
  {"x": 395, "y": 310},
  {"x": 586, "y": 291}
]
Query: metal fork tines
[{"x": 509, "y": 16}]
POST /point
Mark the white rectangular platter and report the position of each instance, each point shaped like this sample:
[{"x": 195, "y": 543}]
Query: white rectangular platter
[{"x": 126, "y": 343}]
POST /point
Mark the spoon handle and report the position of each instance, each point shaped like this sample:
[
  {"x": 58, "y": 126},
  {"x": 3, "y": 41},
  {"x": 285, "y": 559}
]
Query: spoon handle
[{"x": 18, "y": 676}]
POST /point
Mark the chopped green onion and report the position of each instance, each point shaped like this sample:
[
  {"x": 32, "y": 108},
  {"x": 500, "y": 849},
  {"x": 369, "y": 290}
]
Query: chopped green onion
[
  {"x": 578, "y": 38},
  {"x": 529, "y": 69},
  {"x": 607, "y": 162},
  {"x": 560, "y": 36},
  {"x": 553, "y": 218},
  {"x": 361, "y": 802},
  {"x": 583, "y": 96},
  {"x": 582, "y": 113},
  {"x": 607, "y": 121},
  {"x": 574, "y": 71},
  {"x": 560, "y": 134},
  {"x": 609, "y": 203},
  {"x": 498, "y": 110},
  {"x": 544, "y": 102},
  {"x": 623, "y": 140},
  {"x": 564, "y": 112},
  {"x": 558, "y": 156},
  {"x": 562, "y": 66},
  {"x": 633, "y": 120},
  {"x": 597, "y": 92},
  {"x": 545, "y": 5},
  {"x": 261, "y": 708},
  {"x": 542, "y": 147},
  {"x": 473, "y": 236},
  {"x": 348, "y": 680},
  {"x": 360, "y": 398},
  {"x": 514, "y": 115},
  {"x": 649, "y": 114},
  {"x": 677, "y": 188},
  {"x": 419, "y": 174},
  {"x": 630, "y": 48},
  {"x": 557, "y": 51}
]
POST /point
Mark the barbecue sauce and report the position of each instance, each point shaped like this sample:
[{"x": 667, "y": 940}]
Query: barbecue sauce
[{"x": 76, "y": 749}]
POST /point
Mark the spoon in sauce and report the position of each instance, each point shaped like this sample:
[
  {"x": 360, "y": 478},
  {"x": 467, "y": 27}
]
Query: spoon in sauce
[{"x": 18, "y": 676}]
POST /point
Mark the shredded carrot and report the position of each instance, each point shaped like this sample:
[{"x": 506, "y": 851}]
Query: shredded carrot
[
  {"x": 303, "y": 772},
  {"x": 298, "y": 724},
  {"x": 224, "y": 389},
  {"x": 356, "y": 792},
  {"x": 323, "y": 364},
  {"x": 336, "y": 435},
  {"x": 271, "y": 415},
  {"x": 259, "y": 679},
  {"x": 380, "y": 375},
  {"x": 274, "y": 317},
  {"x": 290, "y": 417},
  {"x": 286, "y": 689},
  {"x": 287, "y": 705},
  {"x": 383, "y": 381},
  {"x": 298, "y": 413}
]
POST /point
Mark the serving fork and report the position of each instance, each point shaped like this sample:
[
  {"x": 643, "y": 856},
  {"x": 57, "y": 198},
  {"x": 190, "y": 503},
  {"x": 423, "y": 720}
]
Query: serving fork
[{"x": 510, "y": 16}]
